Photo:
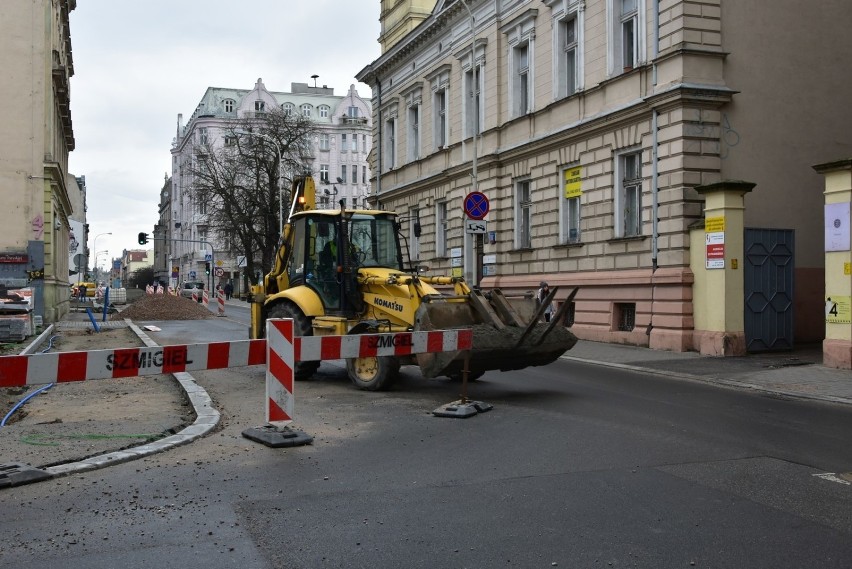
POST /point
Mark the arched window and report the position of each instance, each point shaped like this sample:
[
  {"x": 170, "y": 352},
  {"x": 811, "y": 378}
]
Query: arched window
[
  {"x": 288, "y": 108},
  {"x": 307, "y": 110}
]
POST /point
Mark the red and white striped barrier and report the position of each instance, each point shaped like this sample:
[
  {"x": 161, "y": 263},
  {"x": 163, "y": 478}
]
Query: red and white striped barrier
[
  {"x": 194, "y": 297},
  {"x": 205, "y": 297},
  {"x": 220, "y": 300},
  {"x": 59, "y": 367},
  {"x": 283, "y": 350},
  {"x": 280, "y": 351}
]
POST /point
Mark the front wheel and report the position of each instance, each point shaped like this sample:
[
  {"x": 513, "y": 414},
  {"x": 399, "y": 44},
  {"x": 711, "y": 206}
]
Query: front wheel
[
  {"x": 374, "y": 373},
  {"x": 301, "y": 327}
]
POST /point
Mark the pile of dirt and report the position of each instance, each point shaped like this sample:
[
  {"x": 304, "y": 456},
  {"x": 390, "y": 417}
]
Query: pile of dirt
[{"x": 163, "y": 307}]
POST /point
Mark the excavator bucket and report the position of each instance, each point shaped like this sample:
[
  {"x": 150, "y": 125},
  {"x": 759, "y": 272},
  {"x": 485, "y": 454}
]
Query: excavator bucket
[{"x": 507, "y": 332}]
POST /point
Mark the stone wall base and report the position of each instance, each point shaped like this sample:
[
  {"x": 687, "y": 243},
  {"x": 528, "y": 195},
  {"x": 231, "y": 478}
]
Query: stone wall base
[
  {"x": 710, "y": 343},
  {"x": 837, "y": 354}
]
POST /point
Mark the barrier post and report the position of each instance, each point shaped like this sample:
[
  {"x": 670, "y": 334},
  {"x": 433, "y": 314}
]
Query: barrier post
[
  {"x": 205, "y": 298},
  {"x": 194, "y": 297},
  {"x": 280, "y": 376},
  {"x": 221, "y": 302}
]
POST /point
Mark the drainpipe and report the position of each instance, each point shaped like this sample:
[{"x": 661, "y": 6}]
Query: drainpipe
[
  {"x": 655, "y": 143},
  {"x": 379, "y": 145}
]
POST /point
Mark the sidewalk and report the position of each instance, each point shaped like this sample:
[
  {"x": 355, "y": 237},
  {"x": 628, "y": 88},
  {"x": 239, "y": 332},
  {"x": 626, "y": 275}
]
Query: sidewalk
[{"x": 798, "y": 373}]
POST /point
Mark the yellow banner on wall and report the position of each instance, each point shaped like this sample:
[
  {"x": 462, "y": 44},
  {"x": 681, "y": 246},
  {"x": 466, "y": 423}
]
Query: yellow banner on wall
[{"x": 572, "y": 182}]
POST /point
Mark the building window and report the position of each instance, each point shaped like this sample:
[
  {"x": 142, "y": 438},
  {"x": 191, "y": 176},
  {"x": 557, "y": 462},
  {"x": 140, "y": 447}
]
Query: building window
[
  {"x": 364, "y": 143},
  {"x": 569, "y": 204},
  {"x": 472, "y": 102},
  {"x": 390, "y": 143},
  {"x": 343, "y": 147},
  {"x": 202, "y": 136},
  {"x": 354, "y": 173},
  {"x": 323, "y": 141},
  {"x": 343, "y": 173},
  {"x": 626, "y": 19},
  {"x": 354, "y": 203},
  {"x": 259, "y": 106},
  {"x": 324, "y": 173},
  {"x": 441, "y": 227},
  {"x": 523, "y": 215},
  {"x": 628, "y": 33},
  {"x": 414, "y": 219},
  {"x": 354, "y": 142},
  {"x": 441, "y": 125},
  {"x": 323, "y": 111},
  {"x": 521, "y": 80},
  {"x": 230, "y": 140},
  {"x": 307, "y": 110},
  {"x": 352, "y": 112},
  {"x": 413, "y": 132},
  {"x": 229, "y": 105},
  {"x": 568, "y": 62},
  {"x": 364, "y": 174},
  {"x": 288, "y": 109},
  {"x": 625, "y": 316},
  {"x": 628, "y": 203}
]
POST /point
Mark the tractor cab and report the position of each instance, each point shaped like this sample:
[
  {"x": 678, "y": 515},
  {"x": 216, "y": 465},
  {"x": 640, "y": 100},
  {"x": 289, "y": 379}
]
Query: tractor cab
[{"x": 329, "y": 247}]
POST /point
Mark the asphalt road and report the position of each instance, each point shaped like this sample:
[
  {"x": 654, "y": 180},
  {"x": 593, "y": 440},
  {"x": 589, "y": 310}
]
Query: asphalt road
[{"x": 576, "y": 466}]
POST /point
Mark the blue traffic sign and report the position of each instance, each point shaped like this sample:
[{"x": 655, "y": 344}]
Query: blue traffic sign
[{"x": 476, "y": 205}]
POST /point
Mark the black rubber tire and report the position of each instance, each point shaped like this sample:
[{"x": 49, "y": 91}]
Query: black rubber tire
[
  {"x": 373, "y": 373},
  {"x": 301, "y": 327}
]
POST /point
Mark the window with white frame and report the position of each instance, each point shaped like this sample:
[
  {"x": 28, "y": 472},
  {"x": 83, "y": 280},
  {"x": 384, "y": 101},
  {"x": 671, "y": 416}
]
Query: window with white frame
[
  {"x": 288, "y": 109},
  {"x": 520, "y": 37},
  {"x": 259, "y": 106},
  {"x": 364, "y": 174},
  {"x": 441, "y": 123},
  {"x": 323, "y": 111},
  {"x": 414, "y": 241},
  {"x": 202, "y": 136},
  {"x": 353, "y": 143},
  {"x": 628, "y": 197},
  {"x": 323, "y": 141},
  {"x": 413, "y": 132},
  {"x": 521, "y": 80},
  {"x": 390, "y": 143},
  {"x": 441, "y": 227},
  {"x": 568, "y": 59},
  {"x": 354, "y": 173},
  {"x": 352, "y": 112},
  {"x": 229, "y": 105},
  {"x": 569, "y": 204},
  {"x": 343, "y": 173},
  {"x": 307, "y": 110},
  {"x": 627, "y": 21},
  {"x": 230, "y": 140},
  {"x": 343, "y": 147},
  {"x": 324, "y": 173},
  {"x": 523, "y": 215},
  {"x": 472, "y": 101},
  {"x": 364, "y": 143}
]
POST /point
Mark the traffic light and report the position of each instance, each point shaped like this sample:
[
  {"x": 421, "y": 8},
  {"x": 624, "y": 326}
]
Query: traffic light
[
  {"x": 143, "y": 238},
  {"x": 206, "y": 268}
]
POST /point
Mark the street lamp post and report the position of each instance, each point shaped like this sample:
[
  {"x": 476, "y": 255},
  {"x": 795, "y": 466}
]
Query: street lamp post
[
  {"x": 278, "y": 150},
  {"x": 97, "y": 271},
  {"x": 95, "y": 245}
]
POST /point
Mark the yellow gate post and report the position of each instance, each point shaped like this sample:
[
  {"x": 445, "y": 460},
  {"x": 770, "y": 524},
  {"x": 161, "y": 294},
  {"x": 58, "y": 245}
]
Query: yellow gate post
[{"x": 837, "y": 346}]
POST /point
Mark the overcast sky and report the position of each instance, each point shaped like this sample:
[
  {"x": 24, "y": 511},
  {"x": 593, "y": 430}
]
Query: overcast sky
[{"x": 137, "y": 65}]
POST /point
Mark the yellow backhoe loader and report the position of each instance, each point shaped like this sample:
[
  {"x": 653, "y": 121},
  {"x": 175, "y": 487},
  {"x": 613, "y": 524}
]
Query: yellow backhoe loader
[{"x": 339, "y": 272}]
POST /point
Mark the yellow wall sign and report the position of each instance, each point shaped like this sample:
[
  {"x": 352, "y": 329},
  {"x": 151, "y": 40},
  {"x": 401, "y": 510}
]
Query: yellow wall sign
[
  {"x": 847, "y": 268},
  {"x": 571, "y": 183},
  {"x": 714, "y": 224},
  {"x": 838, "y": 309}
]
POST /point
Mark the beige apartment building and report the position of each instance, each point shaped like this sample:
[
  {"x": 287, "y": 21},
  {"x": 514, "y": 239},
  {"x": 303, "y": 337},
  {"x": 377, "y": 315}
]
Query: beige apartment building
[
  {"x": 35, "y": 139},
  {"x": 656, "y": 154}
]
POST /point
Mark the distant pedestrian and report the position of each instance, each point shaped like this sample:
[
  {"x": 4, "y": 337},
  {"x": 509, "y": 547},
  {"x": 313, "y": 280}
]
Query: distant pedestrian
[
  {"x": 82, "y": 290},
  {"x": 543, "y": 291},
  {"x": 229, "y": 290}
]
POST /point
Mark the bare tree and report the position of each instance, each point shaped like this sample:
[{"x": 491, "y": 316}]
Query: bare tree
[{"x": 238, "y": 180}]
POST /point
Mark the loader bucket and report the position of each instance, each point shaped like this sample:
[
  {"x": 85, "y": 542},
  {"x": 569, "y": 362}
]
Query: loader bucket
[{"x": 506, "y": 334}]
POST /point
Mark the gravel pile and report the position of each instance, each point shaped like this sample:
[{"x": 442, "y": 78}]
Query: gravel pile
[{"x": 163, "y": 307}]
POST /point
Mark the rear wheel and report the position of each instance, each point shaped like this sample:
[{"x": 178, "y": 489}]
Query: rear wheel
[
  {"x": 373, "y": 373},
  {"x": 301, "y": 327}
]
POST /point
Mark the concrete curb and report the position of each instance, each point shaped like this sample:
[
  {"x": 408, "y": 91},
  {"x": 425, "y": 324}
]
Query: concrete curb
[
  {"x": 206, "y": 419},
  {"x": 716, "y": 381}
]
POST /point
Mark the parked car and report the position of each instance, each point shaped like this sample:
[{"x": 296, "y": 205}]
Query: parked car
[{"x": 192, "y": 287}]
